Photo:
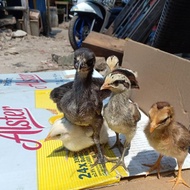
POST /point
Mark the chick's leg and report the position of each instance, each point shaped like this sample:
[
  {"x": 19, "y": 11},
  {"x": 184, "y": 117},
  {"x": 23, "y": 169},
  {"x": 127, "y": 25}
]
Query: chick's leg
[
  {"x": 117, "y": 144},
  {"x": 121, "y": 160},
  {"x": 179, "y": 178},
  {"x": 155, "y": 166},
  {"x": 100, "y": 156}
]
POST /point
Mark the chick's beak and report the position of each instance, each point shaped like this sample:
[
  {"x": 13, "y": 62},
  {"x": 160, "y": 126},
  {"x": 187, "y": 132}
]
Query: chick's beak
[
  {"x": 105, "y": 86},
  {"x": 152, "y": 128},
  {"x": 48, "y": 138},
  {"x": 77, "y": 66}
]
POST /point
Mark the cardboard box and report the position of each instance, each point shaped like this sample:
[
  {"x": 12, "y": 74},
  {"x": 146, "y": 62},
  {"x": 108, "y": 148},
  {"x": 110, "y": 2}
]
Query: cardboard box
[{"x": 162, "y": 77}]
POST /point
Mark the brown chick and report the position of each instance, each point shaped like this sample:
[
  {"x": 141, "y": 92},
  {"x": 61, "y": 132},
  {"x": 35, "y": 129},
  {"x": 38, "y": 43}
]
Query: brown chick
[
  {"x": 168, "y": 137},
  {"x": 111, "y": 63},
  {"x": 120, "y": 113}
]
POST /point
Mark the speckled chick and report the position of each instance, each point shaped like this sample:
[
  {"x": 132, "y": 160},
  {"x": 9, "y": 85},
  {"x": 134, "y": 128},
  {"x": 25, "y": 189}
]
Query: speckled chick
[{"x": 120, "y": 113}]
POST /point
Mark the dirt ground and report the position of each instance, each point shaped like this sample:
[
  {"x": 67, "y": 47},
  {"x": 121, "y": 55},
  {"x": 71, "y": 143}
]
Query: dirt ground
[{"x": 33, "y": 53}]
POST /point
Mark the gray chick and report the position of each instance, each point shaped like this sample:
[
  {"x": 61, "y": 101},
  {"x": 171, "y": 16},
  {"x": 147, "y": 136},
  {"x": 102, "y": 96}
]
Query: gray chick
[
  {"x": 112, "y": 63},
  {"x": 120, "y": 113}
]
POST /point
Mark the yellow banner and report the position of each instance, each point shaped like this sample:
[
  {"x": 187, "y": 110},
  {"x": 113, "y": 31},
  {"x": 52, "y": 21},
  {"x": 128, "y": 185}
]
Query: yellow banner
[{"x": 58, "y": 171}]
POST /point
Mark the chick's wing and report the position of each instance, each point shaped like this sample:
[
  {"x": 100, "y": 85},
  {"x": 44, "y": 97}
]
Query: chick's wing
[{"x": 181, "y": 136}]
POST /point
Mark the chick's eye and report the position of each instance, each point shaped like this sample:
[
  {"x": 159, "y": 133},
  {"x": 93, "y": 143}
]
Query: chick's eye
[
  {"x": 59, "y": 135},
  {"x": 117, "y": 82},
  {"x": 164, "y": 120},
  {"x": 90, "y": 62}
]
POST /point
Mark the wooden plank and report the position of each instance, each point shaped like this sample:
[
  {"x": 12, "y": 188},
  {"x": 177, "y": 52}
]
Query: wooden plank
[{"x": 104, "y": 45}]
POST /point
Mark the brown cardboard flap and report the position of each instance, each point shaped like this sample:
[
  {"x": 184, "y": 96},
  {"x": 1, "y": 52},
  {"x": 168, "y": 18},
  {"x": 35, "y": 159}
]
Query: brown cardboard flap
[{"x": 161, "y": 76}]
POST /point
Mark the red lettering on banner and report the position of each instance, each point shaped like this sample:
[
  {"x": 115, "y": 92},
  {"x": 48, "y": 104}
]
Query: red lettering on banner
[
  {"x": 19, "y": 122},
  {"x": 31, "y": 80}
]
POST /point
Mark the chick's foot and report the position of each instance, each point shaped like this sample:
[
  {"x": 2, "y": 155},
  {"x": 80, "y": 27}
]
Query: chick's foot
[
  {"x": 155, "y": 166},
  {"x": 106, "y": 159},
  {"x": 100, "y": 159},
  {"x": 120, "y": 162},
  {"x": 178, "y": 180}
]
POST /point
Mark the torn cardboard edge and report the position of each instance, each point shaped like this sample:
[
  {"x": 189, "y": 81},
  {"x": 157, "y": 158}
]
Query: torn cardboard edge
[{"x": 161, "y": 76}]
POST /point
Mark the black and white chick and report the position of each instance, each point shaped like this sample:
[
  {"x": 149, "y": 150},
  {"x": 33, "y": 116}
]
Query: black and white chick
[
  {"x": 75, "y": 138},
  {"x": 58, "y": 92},
  {"x": 120, "y": 113},
  {"x": 82, "y": 104}
]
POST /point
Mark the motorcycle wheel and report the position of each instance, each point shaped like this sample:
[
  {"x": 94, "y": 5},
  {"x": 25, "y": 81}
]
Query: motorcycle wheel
[{"x": 79, "y": 28}]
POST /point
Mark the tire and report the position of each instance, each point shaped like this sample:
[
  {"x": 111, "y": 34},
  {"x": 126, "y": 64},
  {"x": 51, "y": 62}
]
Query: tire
[{"x": 79, "y": 28}]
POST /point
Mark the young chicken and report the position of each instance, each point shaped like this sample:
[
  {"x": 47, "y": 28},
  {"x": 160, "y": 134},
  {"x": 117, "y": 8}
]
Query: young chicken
[
  {"x": 112, "y": 62},
  {"x": 168, "y": 137},
  {"x": 82, "y": 104},
  {"x": 75, "y": 138},
  {"x": 120, "y": 113},
  {"x": 58, "y": 92}
]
